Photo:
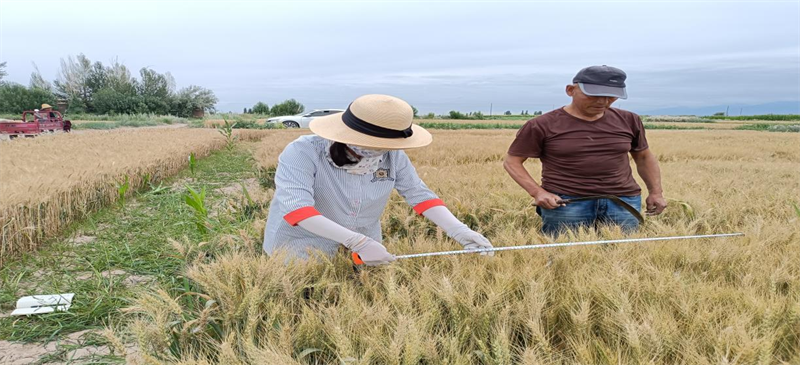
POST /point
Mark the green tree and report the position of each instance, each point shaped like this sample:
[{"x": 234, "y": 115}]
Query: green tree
[
  {"x": 190, "y": 98},
  {"x": 16, "y": 98},
  {"x": 414, "y": 110},
  {"x": 3, "y": 72},
  {"x": 119, "y": 78},
  {"x": 288, "y": 107},
  {"x": 155, "y": 90},
  {"x": 260, "y": 108},
  {"x": 110, "y": 101},
  {"x": 38, "y": 81},
  {"x": 457, "y": 115},
  {"x": 72, "y": 82},
  {"x": 508, "y": 112}
]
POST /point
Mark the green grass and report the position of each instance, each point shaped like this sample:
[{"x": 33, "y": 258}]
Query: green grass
[
  {"x": 117, "y": 124},
  {"x": 133, "y": 120},
  {"x": 771, "y": 117},
  {"x": 129, "y": 118},
  {"x": 784, "y": 128},
  {"x": 114, "y": 121},
  {"x": 509, "y": 117},
  {"x": 95, "y": 125},
  {"x": 754, "y": 127},
  {"x": 469, "y": 125},
  {"x": 453, "y": 126},
  {"x": 134, "y": 238},
  {"x": 422, "y": 117},
  {"x": 770, "y": 127},
  {"x": 660, "y": 126},
  {"x": 674, "y": 119},
  {"x": 240, "y": 124}
]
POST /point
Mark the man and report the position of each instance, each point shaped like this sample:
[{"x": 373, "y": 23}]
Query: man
[
  {"x": 584, "y": 150},
  {"x": 47, "y": 109}
]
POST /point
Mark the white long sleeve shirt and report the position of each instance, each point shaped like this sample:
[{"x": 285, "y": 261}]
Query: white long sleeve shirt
[{"x": 307, "y": 184}]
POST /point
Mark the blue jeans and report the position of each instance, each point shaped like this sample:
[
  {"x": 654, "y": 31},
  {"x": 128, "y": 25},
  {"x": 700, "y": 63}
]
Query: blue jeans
[{"x": 589, "y": 213}]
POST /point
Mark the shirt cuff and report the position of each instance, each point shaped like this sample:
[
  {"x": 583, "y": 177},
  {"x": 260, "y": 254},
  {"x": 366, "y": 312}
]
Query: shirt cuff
[
  {"x": 297, "y": 215},
  {"x": 428, "y": 204}
]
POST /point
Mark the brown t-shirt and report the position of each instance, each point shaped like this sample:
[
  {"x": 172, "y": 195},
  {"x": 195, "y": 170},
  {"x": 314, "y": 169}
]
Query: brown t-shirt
[{"x": 580, "y": 157}]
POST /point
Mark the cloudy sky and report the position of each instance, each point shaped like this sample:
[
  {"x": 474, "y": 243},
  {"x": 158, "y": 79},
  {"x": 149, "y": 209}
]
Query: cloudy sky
[{"x": 438, "y": 56}]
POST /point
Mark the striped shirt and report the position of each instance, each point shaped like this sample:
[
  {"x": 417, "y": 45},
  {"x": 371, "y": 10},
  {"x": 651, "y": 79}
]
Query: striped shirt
[{"x": 307, "y": 184}]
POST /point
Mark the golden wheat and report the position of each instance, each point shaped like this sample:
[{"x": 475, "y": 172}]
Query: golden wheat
[
  {"x": 732, "y": 301},
  {"x": 47, "y": 182}
]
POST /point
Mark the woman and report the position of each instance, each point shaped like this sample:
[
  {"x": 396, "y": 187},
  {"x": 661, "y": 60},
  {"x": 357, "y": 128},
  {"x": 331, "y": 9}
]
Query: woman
[{"x": 332, "y": 187}]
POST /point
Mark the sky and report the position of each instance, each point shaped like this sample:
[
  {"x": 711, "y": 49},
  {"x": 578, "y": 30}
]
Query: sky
[{"x": 438, "y": 56}]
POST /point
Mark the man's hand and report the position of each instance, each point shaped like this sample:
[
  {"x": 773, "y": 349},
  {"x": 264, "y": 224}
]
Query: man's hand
[
  {"x": 547, "y": 200},
  {"x": 655, "y": 203},
  {"x": 647, "y": 165},
  {"x": 471, "y": 240}
]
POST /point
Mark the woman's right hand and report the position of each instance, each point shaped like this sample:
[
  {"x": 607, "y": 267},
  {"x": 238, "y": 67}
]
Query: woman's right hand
[
  {"x": 547, "y": 200},
  {"x": 371, "y": 252}
]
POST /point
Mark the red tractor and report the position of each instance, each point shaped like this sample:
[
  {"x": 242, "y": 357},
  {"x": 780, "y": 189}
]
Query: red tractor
[{"x": 41, "y": 121}]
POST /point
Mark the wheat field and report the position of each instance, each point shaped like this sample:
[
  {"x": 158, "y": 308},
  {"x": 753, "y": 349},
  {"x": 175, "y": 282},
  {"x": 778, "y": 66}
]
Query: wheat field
[
  {"x": 724, "y": 301},
  {"x": 50, "y": 181}
]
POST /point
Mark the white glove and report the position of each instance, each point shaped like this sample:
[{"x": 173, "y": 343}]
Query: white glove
[
  {"x": 471, "y": 240},
  {"x": 458, "y": 231},
  {"x": 370, "y": 251}
]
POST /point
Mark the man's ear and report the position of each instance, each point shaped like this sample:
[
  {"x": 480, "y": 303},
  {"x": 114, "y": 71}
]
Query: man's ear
[{"x": 570, "y": 90}]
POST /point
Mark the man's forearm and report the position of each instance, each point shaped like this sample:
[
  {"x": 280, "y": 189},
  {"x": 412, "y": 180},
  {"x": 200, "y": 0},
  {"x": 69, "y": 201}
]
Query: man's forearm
[
  {"x": 517, "y": 171},
  {"x": 651, "y": 173}
]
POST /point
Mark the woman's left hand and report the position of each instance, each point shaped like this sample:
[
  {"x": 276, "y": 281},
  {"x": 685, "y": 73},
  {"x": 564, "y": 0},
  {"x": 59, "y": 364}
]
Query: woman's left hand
[{"x": 472, "y": 240}]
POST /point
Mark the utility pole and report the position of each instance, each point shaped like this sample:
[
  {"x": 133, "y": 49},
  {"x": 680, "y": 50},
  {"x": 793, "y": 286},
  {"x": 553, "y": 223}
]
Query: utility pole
[
  {"x": 490, "y": 109},
  {"x": 726, "y": 110}
]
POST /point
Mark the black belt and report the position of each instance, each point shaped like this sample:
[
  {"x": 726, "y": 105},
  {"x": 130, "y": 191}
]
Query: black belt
[{"x": 613, "y": 198}]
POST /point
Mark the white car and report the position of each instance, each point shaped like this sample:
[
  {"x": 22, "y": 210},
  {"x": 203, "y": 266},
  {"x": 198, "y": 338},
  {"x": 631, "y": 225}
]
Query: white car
[{"x": 303, "y": 119}]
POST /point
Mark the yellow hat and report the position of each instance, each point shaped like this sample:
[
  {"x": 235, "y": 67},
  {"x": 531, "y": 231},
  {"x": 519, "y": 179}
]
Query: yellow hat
[
  {"x": 374, "y": 121},
  {"x": 46, "y": 106}
]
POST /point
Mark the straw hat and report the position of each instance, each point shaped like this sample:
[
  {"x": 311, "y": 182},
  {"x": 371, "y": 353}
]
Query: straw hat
[
  {"x": 46, "y": 106},
  {"x": 374, "y": 121}
]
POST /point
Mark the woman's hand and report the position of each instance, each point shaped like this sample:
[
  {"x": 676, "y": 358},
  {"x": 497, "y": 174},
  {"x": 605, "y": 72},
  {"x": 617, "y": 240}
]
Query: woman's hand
[
  {"x": 371, "y": 252},
  {"x": 471, "y": 240}
]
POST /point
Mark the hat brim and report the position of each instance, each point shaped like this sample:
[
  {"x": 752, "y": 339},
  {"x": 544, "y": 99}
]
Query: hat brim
[
  {"x": 602, "y": 90},
  {"x": 333, "y": 128}
]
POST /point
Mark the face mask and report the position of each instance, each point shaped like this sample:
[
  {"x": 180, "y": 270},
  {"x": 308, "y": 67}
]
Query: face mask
[
  {"x": 366, "y": 152},
  {"x": 368, "y": 160}
]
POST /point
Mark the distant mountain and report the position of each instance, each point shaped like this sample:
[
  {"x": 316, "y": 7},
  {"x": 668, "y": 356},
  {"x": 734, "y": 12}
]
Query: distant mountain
[{"x": 779, "y": 107}]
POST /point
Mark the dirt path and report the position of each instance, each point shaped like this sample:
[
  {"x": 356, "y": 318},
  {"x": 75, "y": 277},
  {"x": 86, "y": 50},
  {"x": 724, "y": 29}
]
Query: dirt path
[{"x": 111, "y": 255}]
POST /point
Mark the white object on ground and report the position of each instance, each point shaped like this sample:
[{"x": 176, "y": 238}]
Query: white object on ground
[{"x": 40, "y": 304}]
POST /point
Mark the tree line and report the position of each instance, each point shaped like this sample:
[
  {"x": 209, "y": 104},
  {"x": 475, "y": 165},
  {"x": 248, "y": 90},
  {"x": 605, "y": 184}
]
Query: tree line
[
  {"x": 288, "y": 107},
  {"x": 97, "y": 88}
]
